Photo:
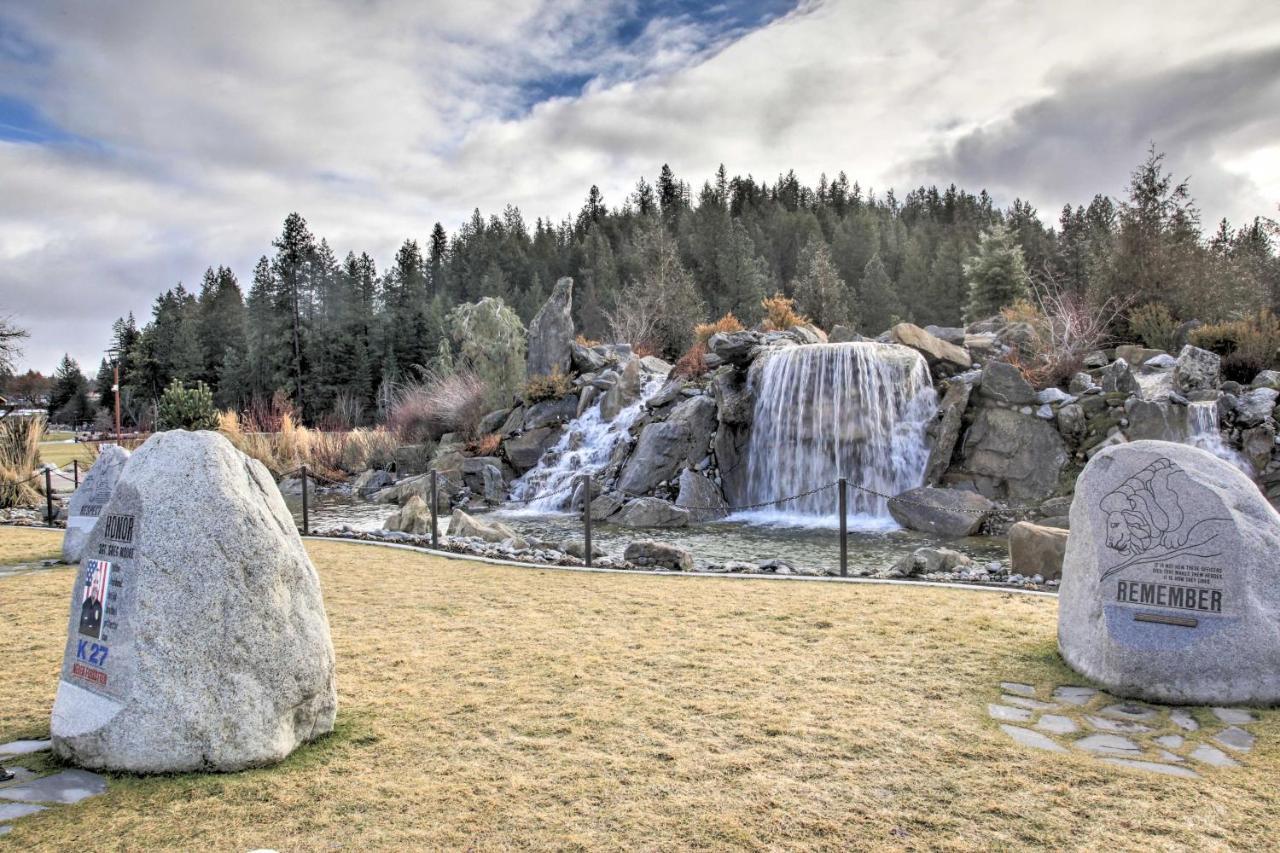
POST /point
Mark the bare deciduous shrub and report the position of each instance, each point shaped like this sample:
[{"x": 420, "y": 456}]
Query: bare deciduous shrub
[
  {"x": 1065, "y": 328},
  {"x": 780, "y": 314},
  {"x": 439, "y": 403}
]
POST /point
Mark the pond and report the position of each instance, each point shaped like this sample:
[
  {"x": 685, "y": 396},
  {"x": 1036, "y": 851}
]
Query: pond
[{"x": 764, "y": 538}]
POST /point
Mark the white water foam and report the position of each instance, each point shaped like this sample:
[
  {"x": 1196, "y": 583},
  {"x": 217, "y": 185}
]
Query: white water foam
[
  {"x": 585, "y": 447},
  {"x": 826, "y": 411},
  {"x": 1202, "y": 426}
]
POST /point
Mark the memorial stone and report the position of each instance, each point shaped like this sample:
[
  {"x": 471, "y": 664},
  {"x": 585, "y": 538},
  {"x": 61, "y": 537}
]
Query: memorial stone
[
  {"x": 88, "y": 500},
  {"x": 1171, "y": 587},
  {"x": 197, "y": 637}
]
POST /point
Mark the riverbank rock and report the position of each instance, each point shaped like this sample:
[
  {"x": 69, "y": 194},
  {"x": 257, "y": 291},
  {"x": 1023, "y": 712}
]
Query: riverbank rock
[
  {"x": 623, "y": 392},
  {"x": 665, "y": 447},
  {"x": 413, "y": 517},
  {"x": 462, "y": 524},
  {"x": 198, "y": 638},
  {"x": 926, "y": 561},
  {"x": 524, "y": 450},
  {"x": 87, "y": 502},
  {"x": 551, "y": 333},
  {"x": 701, "y": 497},
  {"x": 944, "y": 512},
  {"x": 1004, "y": 383},
  {"x": 946, "y": 429},
  {"x": 1009, "y": 454},
  {"x": 370, "y": 482},
  {"x": 1170, "y": 589},
  {"x": 1036, "y": 549},
  {"x": 936, "y": 351},
  {"x": 736, "y": 348},
  {"x": 650, "y": 554},
  {"x": 1196, "y": 370},
  {"x": 651, "y": 512}
]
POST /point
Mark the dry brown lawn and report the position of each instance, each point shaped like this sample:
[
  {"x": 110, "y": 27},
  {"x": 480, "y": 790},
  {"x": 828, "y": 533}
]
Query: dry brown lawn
[{"x": 489, "y": 707}]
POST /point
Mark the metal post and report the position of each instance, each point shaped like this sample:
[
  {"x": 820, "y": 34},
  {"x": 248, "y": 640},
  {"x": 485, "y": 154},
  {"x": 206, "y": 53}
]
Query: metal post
[
  {"x": 75, "y": 471},
  {"x": 306, "y": 509},
  {"x": 435, "y": 523},
  {"x": 586, "y": 516},
  {"x": 844, "y": 527},
  {"x": 48, "y": 495}
]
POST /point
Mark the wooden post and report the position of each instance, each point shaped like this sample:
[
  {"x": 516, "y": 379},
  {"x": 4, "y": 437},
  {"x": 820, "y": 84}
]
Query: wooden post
[
  {"x": 48, "y": 495},
  {"x": 844, "y": 527},
  {"x": 306, "y": 509},
  {"x": 586, "y": 517},
  {"x": 435, "y": 522},
  {"x": 75, "y": 471},
  {"x": 116, "y": 389}
]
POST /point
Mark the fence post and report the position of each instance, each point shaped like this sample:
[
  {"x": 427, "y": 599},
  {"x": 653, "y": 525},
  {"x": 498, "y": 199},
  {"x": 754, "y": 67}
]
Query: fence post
[
  {"x": 75, "y": 469},
  {"x": 844, "y": 527},
  {"x": 586, "y": 516},
  {"x": 48, "y": 495},
  {"x": 306, "y": 508},
  {"x": 435, "y": 523}
]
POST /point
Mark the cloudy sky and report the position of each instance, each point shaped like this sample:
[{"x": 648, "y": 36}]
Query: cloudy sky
[{"x": 143, "y": 141}]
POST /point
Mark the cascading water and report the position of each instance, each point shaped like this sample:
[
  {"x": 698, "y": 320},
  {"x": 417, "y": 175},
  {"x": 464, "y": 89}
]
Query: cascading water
[
  {"x": 853, "y": 410},
  {"x": 1203, "y": 432},
  {"x": 585, "y": 447}
]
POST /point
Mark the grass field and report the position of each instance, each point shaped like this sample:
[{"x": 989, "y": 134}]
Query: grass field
[
  {"x": 492, "y": 707},
  {"x": 59, "y": 453}
]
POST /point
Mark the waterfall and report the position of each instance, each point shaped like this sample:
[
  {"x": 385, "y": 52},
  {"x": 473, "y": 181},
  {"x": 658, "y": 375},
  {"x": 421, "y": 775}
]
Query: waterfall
[
  {"x": 1203, "y": 432},
  {"x": 853, "y": 410},
  {"x": 586, "y": 446}
]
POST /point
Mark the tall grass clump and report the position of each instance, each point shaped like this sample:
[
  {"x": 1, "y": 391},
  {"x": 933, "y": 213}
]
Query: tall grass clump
[
  {"x": 331, "y": 455},
  {"x": 437, "y": 404},
  {"x": 19, "y": 455}
]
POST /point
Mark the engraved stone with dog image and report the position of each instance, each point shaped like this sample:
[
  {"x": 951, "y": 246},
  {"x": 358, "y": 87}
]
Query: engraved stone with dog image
[{"x": 1171, "y": 583}]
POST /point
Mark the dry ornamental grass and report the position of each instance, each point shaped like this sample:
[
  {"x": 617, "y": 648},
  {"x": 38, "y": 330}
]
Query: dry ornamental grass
[{"x": 491, "y": 707}]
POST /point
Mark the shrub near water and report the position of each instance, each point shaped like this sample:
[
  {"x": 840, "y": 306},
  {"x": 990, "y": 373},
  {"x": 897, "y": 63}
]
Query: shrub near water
[
  {"x": 1246, "y": 346},
  {"x": 553, "y": 387},
  {"x": 694, "y": 361},
  {"x": 187, "y": 408},
  {"x": 329, "y": 454},
  {"x": 780, "y": 314},
  {"x": 440, "y": 403}
]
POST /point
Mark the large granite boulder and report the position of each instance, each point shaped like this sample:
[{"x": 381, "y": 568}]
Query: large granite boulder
[
  {"x": 1170, "y": 589},
  {"x": 736, "y": 348},
  {"x": 943, "y": 512},
  {"x": 946, "y": 429},
  {"x": 1254, "y": 407},
  {"x": 1011, "y": 455},
  {"x": 1036, "y": 549},
  {"x": 1155, "y": 421},
  {"x": 937, "y": 352},
  {"x": 87, "y": 501},
  {"x": 413, "y": 517},
  {"x": 1004, "y": 383},
  {"x": 649, "y": 554},
  {"x": 652, "y": 512},
  {"x": 622, "y": 393},
  {"x": 1196, "y": 370},
  {"x": 551, "y": 333},
  {"x": 681, "y": 441},
  {"x": 463, "y": 525},
  {"x": 701, "y": 497},
  {"x": 198, "y": 638},
  {"x": 551, "y": 412},
  {"x": 735, "y": 402},
  {"x": 1118, "y": 376},
  {"x": 524, "y": 450},
  {"x": 371, "y": 481}
]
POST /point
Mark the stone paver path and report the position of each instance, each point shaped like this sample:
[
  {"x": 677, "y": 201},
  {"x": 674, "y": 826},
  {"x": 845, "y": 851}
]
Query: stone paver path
[
  {"x": 28, "y": 793},
  {"x": 1179, "y": 742}
]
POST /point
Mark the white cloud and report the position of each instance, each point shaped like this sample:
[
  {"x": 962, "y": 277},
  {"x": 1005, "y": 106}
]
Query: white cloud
[{"x": 207, "y": 123}]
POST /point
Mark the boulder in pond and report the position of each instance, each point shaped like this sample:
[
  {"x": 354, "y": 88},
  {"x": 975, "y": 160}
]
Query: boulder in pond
[
  {"x": 462, "y": 524},
  {"x": 197, "y": 637},
  {"x": 87, "y": 501},
  {"x": 943, "y": 512},
  {"x": 651, "y": 512},
  {"x": 1170, "y": 587},
  {"x": 1036, "y": 549},
  {"x": 649, "y": 554},
  {"x": 413, "y": 517}
]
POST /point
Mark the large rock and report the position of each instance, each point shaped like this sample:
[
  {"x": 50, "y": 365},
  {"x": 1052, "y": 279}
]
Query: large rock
[
  {"x": 464, "y": 525},
  {"x": 664, "y": 448},
  {"x": 1003, "y": 382},
  {"x": 946, "y": 429},
  {"x": 524, "y": 450},
  {"x": 1155, "y": 421},
  {"x": 926, "y": 561},
  {"x": 1118, "y": 376},
  {"x": 944, "y": 512},
  {"x": 1136, "y": 355},
  {"x": 649, "y": 554},
  {"x": 413, "y": 517},
  {"x": 1036, "y": 549},
  {"x": 1012, "y": 455},
  {"x": 701, "y": 497},
  {"x": 935, "y": 350},
  {"x": 87, "y": 501},
  {"x": 652, "y": 512},
  {"x": 1196, "y": 370},
  {"x": 736, "y": 348},
  {"x": 551, "y": 412},
  {"x": 735, "y": 402},
  {"x": 1170, "y": 590},
  {"x": 371, "y": 481},
  {"x": 198, "y": 638},
  {"x": 1254, "y": 407},
  {"x": 551, "y": 333}
]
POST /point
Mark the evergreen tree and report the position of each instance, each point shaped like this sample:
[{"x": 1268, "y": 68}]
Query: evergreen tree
[
  {"x": 878, "y": 304},
  {"x": 292, "y": 269},
  {"x": 820, "y": 293},
  {"x": 996, "y": 275},
  {"x": 69, "y": 397},
  {"x": 221, "y": 321}
]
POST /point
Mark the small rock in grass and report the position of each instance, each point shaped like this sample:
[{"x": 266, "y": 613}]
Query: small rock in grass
[{"x": 1035, "y": 740}]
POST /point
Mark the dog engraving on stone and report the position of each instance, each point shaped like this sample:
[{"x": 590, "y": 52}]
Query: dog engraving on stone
[{"x": 1145, "y": 521}]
